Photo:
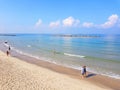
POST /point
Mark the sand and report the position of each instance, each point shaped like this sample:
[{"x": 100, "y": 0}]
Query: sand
[{"x": 16, "y": 74}]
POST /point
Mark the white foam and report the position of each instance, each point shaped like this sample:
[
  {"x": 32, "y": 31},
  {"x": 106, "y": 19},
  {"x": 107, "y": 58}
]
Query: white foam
[
  {"x": 6, "y": 45},
  {"x": 33, "y": 56},
  {"x": 73, "y": 55},
  {"x": 113, "y": 75}
]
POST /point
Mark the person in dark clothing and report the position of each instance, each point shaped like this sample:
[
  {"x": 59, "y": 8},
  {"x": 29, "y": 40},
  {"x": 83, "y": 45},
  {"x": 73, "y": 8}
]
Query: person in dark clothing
[
  {"x": 83, "y": 71},
  {"x": 9, "y": 48},
  {"x": 7, "y": 52}
]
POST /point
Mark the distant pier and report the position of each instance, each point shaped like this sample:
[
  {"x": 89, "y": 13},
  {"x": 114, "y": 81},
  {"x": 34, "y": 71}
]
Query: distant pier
[{"x": 80, "y": 36}]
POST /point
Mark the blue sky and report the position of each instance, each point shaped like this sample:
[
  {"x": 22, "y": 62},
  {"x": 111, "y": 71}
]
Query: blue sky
[{"x": 60, "y": 16}]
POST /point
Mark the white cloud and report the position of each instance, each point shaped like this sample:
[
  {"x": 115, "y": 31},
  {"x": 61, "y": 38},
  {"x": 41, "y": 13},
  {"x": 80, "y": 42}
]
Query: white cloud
[
  {"x": 38, "y": 23},
  {"x": 87, "y": 25},
  {"x": 54, "y": 24},
  {"x": 70, "y": 21},
  {"x": 112, "y": 20}
]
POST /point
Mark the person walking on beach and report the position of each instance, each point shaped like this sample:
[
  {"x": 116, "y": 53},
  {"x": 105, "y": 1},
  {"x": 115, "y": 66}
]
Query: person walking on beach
[
  {"x": 83, "y": 71},
  {"x": 7, "y": 52}
]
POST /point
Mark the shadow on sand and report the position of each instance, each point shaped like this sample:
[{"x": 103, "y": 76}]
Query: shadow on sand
[{"x": 90, "y": 75}]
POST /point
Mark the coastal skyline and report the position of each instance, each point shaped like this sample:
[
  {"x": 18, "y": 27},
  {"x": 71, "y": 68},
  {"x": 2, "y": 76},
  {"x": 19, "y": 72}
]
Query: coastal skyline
[{"x": 60, "y": 17}]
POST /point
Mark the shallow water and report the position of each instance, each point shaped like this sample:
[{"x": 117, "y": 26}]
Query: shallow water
[{"x": 100, "y": 54}]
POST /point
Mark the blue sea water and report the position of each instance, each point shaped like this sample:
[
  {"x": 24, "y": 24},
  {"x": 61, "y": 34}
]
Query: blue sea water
[{"x": 100, "y": 54}]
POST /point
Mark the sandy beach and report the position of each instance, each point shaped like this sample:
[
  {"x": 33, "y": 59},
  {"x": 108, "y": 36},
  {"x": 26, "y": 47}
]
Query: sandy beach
[{"x": 16, "y": 74}]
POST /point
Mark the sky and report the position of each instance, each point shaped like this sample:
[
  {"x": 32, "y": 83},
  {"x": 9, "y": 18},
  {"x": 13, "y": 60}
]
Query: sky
[{"x": 60, "y": 16}]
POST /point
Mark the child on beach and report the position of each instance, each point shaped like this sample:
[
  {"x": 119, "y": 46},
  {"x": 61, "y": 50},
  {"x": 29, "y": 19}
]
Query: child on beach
[{"x": 83, "y": 71}]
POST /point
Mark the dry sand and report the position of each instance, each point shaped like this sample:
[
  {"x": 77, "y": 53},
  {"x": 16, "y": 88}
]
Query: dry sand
[{"x": 16, "y": 74}]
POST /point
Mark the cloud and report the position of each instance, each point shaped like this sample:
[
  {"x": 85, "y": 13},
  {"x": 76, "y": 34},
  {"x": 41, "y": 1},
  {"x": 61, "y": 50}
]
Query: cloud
[
  {"x": 112, "y": 20},
  {"x": 54, "y": 24},
  {"x": 70, "y": 21},
  {"x": 38, "y": 23},
  {"x": 87, "y": 25}
]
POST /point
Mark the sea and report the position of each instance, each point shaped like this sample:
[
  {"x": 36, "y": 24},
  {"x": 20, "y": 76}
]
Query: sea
[{"x": 100, "y": 53}]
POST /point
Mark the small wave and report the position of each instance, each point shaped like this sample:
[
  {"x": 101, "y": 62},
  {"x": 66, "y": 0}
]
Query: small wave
[
  {"x": 73, "y": 55},
  {"x": 32, "y": 56},
  {"x": 23, "y": 53},
  {"x": 107, "y": 73},
  {"x": 6, "y": 45},
  {"x": 115, "y": 76}
]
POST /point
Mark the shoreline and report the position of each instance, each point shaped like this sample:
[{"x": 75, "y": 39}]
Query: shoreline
[
  {"x": 16, "y": 74},
  {"x": 96, "y": 79}
]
